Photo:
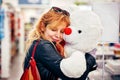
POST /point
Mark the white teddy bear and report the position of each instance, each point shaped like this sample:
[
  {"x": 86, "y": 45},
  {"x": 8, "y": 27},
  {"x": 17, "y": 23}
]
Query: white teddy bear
[{"x": 81, "y": 38}]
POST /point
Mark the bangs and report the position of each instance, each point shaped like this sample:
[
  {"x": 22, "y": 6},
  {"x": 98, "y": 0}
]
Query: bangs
[{"x": 55, "y": 23}]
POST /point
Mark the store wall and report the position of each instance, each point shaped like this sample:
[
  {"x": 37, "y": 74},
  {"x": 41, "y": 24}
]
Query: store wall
[{"x": 109, "y": 15}]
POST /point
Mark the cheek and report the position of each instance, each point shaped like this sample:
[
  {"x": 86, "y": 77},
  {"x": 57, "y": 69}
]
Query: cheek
[{"x": 50, "y": 33}]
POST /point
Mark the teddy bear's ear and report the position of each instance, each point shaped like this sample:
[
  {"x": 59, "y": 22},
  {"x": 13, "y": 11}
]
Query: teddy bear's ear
[{"x": 68, "y": 31}]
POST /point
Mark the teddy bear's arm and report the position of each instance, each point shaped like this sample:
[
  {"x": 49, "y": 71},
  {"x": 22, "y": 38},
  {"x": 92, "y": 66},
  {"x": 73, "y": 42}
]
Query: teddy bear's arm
[{"x": 75, "y": 65}]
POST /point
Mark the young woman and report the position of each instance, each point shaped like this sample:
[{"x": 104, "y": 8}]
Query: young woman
[{"x": 49, "y": 56}]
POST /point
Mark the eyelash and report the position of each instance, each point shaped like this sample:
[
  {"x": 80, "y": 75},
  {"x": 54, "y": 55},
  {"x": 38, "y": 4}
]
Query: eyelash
[
  {"x": 56, "y": 30},
  {"x": 53, "y": 29}
]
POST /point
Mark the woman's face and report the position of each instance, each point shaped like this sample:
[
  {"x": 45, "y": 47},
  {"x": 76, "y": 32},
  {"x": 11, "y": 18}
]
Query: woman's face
[{"x": 55, "y": 34}]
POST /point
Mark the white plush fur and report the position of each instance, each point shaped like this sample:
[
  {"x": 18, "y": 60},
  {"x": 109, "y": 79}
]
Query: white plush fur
[
  {"x": 74, "y": 66},
  {"x": 78, "y": 43},
  {"x": 89, "y": 23}
]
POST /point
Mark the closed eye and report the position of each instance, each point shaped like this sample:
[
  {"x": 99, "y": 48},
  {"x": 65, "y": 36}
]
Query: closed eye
[{"x": 53, "y": 29}]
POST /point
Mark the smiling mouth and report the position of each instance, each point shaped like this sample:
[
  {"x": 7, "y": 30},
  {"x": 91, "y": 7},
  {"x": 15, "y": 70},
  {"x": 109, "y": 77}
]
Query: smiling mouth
[{"x": 56, "y": 40}]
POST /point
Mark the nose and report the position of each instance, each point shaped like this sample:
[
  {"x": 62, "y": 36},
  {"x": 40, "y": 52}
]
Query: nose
[
  {"x": 68, "y": 31},
  {"x": 58, "y": 35}
]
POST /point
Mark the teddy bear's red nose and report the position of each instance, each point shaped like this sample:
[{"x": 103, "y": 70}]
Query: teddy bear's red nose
[{"x": 68, "y": 31}]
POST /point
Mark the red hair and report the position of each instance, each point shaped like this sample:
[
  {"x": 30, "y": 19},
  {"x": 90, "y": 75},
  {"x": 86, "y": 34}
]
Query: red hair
[{"x": 60, "y": 47}]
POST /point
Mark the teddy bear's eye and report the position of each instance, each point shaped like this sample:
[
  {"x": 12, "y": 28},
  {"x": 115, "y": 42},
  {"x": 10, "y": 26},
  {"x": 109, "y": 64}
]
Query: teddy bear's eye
[{"x": 79, "y": 31}]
